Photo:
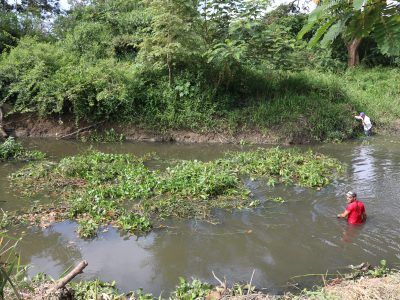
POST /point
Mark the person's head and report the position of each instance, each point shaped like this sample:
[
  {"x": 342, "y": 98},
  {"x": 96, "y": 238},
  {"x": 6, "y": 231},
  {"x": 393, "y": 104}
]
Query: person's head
[
  {"x": 362, "y": 115},
  {"x": 351, "y": 196}
]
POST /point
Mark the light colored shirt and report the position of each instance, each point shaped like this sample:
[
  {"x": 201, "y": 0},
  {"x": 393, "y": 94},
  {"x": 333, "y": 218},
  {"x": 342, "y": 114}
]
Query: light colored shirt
[{"x": 366, "y": 122}]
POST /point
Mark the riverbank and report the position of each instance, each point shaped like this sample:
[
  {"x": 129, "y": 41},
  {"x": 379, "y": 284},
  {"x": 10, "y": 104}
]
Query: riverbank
[
  {"x": 363, "y": 288},
  {"x": 274, "y": 108},
  {"x": 56, "y": 126}
]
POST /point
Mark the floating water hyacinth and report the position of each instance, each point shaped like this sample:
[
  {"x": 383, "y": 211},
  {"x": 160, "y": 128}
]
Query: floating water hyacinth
[{"x": 94, "y": 184}]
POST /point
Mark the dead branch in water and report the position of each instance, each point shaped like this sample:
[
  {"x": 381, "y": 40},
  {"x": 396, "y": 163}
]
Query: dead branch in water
[
  {"x": 248, "y": 291},
  {"x": 79, "y": 130},
  {"x": 224, "y": 285},
  {"x": 78, "y": 270}
]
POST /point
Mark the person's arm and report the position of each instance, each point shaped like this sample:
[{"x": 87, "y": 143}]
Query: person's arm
[
  {"x": 358, "y": 117},
  {"x": 364, "y": 216},
  {"x": 343, "y": 215}
]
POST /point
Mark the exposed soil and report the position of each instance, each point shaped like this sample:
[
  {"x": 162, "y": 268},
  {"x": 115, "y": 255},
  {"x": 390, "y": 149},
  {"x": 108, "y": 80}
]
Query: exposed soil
[
  {"x": 58, "y": 126},
  {"x": 31, "y": 125}
]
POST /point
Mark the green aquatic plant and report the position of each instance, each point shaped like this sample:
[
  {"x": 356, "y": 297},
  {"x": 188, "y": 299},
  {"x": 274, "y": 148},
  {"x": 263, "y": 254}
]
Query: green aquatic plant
[
  {"x": 91, "y": 289},
  {"x": 13, "y": 148},
  {"x": 380, "y": 271},
  {"x": 108, "y": 136},
  {"x": 95, "y": 184},
  {"x": 191, "y": 291},
  {"x": 277, "y": 199}
]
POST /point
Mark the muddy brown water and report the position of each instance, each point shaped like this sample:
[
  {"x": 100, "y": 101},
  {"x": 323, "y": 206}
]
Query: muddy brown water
[{"x": 279, "y": 241}]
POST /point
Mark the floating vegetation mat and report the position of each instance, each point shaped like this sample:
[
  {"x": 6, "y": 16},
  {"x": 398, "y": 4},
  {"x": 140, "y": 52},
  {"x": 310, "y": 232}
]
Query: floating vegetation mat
[
  {"x": 94, "y": 185},
  {"x": 14, "y": 149}
]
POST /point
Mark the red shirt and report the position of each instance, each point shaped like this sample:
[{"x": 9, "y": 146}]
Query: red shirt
[{"x": 355, "y": 210}]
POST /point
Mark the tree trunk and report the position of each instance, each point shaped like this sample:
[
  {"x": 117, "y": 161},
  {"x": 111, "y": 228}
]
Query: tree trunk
[
  {"x": 169, "y": 71},
  {"x": 352, "y": 52},
  {"x": 169, "y": 67},
  {"x": 2, "y": 132}
]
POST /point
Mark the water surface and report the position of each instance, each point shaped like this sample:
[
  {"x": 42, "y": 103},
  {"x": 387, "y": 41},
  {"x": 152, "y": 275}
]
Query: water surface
[{"x": 279, "y": 241}]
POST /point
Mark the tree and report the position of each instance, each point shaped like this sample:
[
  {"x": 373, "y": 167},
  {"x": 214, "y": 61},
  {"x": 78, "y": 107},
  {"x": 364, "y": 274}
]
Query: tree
[
  {"x": 238, "y": 35},
  {"x": 355, "y": 20},
  {"x": 174, "y": 31},
  {"x": 37, "y": 7}
]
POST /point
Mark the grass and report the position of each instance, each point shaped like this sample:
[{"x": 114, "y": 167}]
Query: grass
[
  {"x": 95, "y": 185},
  {"x": 319, "y": 104},
  {"x": 363, "y": 288}
]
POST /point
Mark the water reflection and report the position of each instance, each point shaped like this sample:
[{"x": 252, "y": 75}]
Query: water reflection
[
  {"x": 300, "y": 236},
  {"x": 350, "y": 232}
]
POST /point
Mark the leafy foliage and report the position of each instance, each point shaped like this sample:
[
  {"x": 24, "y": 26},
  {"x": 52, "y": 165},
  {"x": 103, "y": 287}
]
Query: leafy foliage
[
  {"x": 108, "y": 61},
  {"x": 95, "y": 184},
  {"x": 364, "y": 17},
  {"x": 12, "y": 148}
]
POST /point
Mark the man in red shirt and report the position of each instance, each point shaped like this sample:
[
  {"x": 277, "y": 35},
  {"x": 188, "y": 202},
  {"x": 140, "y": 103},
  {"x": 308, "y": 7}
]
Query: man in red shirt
[{"x": 355, "y": 211}]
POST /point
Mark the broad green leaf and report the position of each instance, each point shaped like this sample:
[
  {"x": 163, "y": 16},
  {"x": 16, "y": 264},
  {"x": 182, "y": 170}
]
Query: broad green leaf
[
  {"x": 363, "y": 23},
  {"x": 321, "y": 31},
  {"x": 305, "y": 29},
  {"x": 335, "y": 30},
  {"x": 357, "y": 4},
  {"x": 316, "y": 13},
  {"x": 387, "y": 34}
]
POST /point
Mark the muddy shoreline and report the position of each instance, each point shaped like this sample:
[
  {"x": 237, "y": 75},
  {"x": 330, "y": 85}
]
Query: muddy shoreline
[
  {"x": 59, "y": 126},
  {"x": 55, "y": 126}
]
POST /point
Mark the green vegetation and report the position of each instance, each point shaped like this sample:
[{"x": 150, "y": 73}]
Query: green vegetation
[
  {"x": 220, "y": 68},
  {"x": 95, "y": 184},
  {"x": 6, "y": 268},
  {"x": 350, "y": 287},
  {"x": 108, "y": 136},
  {"x": 11, "y": 148},
  {"x": 353, "y": 21}
]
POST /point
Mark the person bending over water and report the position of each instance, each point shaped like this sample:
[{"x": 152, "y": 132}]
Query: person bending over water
[
  {"x": 366, "y": 122},
  {"x": 355, "y": 211}
]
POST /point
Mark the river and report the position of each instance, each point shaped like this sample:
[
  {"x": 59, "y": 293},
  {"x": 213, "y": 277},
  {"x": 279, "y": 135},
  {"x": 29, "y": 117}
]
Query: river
[{"x": 277, "y": 240}]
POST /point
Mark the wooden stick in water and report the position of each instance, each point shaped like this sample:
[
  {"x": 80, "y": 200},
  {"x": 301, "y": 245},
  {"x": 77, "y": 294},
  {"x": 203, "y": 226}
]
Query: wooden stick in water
[{"x": 78, "y": 270}]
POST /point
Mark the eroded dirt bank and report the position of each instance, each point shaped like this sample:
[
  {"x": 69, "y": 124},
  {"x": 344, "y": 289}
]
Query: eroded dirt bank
[
  {"x": 56, "y": 126},
  {"x": 30, "y": 125}
]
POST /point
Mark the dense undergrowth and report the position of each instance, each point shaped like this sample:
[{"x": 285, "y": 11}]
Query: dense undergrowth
[
  {"x": 307, "y": 102},
  {"x": 94, "y": 185},
  {"x": 112, "y": 61}
]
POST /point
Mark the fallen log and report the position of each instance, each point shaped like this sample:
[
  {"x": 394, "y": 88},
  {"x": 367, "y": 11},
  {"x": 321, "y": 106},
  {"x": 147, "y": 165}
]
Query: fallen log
[
  {"x": 79, "y": 130},
  {"x": 78, "y": 270}
]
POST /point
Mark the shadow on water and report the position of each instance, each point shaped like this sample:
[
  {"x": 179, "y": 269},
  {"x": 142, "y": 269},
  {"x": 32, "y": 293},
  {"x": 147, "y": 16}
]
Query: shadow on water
[{"x": 278, "y": 240}]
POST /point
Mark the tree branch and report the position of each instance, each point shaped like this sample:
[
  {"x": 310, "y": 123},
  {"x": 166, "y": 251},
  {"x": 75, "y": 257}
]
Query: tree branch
[{"x": 78, "y": 270}]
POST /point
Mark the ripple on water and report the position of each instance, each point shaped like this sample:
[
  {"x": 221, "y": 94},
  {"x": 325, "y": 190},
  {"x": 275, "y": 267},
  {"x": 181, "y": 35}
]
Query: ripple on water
[{"x": 300, "y": 236}]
